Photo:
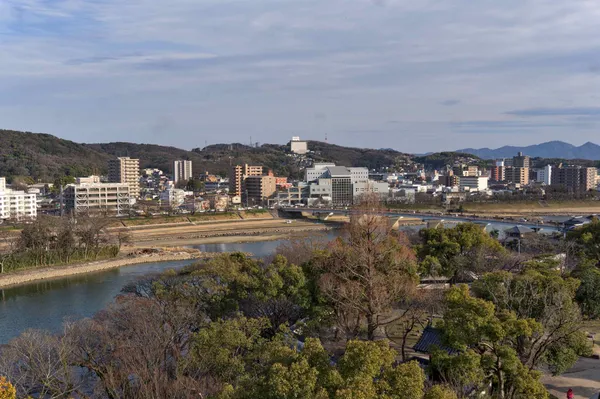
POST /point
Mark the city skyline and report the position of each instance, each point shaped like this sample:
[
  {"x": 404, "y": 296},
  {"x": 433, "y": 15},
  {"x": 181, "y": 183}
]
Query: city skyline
[{"x": 379, "y": 74}]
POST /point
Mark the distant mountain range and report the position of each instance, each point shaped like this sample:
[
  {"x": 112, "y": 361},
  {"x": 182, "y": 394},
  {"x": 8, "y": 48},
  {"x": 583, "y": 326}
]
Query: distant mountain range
[{"x": 551, "y": 149}]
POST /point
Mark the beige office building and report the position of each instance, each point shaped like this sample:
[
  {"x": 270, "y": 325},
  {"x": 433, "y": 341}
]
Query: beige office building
[
  {"x": 127, "y": 171},
  {"x": 239, "y": 174}
]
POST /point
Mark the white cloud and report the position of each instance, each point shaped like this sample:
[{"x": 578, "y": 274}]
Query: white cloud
[{"x": 221, "y": 68}]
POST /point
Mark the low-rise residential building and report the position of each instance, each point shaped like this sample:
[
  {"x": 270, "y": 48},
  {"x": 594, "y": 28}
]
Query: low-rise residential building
[
  {"x": 371, "y": 187},
  {"x": 473, "y": 183},
  {"x": 110, "y": 198},
  {"x": 17, "y": 205},
  {"x": 173, "y": 197}
]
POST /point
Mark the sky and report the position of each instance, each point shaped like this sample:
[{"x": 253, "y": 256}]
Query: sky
[{"x": 416, "y": 76}]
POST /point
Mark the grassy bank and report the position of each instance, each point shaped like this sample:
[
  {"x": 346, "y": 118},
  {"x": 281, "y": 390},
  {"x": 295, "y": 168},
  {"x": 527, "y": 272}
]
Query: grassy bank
[{"x": 41, "y": 258}]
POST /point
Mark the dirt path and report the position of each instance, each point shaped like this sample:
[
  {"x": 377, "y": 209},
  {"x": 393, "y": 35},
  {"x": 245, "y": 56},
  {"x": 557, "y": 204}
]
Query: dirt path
[{"x": 583, "y": 379}]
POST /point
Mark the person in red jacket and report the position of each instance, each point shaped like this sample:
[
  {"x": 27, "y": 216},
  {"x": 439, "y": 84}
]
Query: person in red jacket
[{"x": 570, "y": 394}]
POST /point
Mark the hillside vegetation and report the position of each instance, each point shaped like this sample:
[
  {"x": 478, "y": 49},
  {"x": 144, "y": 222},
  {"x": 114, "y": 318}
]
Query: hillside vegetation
[{"x": 45, "y": 157}]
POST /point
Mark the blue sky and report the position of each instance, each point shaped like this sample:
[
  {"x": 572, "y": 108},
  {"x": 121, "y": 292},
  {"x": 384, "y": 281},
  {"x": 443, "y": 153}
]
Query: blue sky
[{"x": 416, "y": 76}]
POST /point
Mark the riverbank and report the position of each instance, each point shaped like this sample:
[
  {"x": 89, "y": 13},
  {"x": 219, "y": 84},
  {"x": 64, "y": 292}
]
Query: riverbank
[{"x": 132, "y": 258}]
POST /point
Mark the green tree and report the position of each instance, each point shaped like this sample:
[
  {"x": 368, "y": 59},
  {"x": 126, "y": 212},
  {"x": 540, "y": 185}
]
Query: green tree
[
  {"x": 588, "y": 239},
  {"x": 588, "y": 293},
  {"x": 61, "y": 182},
  {"x": 540, "y": 293},
  {"x": 461, "y": 371},
  {"x": 276, "y": 291},
  {"x": 195, "y": 185},
  {"x": 452, "y": 251},
  {"x": 471, "y": 322},
  {"x": 241, "y": 364},
  {"x": 440, "y": 392}
]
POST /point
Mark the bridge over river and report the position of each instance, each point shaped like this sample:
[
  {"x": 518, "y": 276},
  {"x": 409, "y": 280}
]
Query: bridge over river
[{"x": 498, "y": 224}]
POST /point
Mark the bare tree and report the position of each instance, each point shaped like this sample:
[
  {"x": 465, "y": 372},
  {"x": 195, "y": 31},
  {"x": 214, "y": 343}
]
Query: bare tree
[
  {"x": 37, "y": 363},
  {"x": 366, "y": 271}
]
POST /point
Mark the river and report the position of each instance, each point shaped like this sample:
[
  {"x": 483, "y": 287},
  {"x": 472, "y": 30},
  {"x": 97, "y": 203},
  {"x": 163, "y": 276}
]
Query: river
[{"x": 46, "y": 304}]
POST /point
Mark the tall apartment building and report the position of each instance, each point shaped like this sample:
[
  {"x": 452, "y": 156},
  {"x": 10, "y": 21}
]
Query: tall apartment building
[
  {"x": 16, "y": 204},
  {"x": 256, "y": 189},
  {"x": 575, "y": 178},
  {"x": 88, "y": 198},
  {"x": 521, "y": 161},
  {"x": 517, "y": 175},
  {"x": 544, "y": 175},
  {"x": 127, "y": 171},
  {"x": 497, "y": 173},
  {"x": 238, "y": 175},
  {"x": 182, "y": 170}
]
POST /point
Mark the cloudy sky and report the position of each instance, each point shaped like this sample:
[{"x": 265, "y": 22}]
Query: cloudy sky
[{"x": 412, "y": 75}]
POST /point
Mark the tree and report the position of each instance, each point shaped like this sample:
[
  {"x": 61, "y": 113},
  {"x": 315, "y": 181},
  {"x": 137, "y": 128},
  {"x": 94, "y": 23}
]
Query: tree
[
  {"x": 588, "y": 293},
  {"x": 440, "y": 392},
  {"x": 61, "y": 182},
  {"x": 37, "y": 364},
  {"x": 451, "y": 251},
  {"x": 588, "y": 239},
  {"x": 195, "y": 185},
  {"x": 473, "y": 323},
  {"x": 276, "y": 291},
  {"x": 7, "y": 390},
  {"x": 540, "y": 293},
  {"x": 365, "y": 272},
  {"x": 415, "y": 311}
]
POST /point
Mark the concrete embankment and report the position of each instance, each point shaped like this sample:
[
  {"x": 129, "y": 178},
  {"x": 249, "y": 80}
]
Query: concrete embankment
[{"x": 30, "y": 275}]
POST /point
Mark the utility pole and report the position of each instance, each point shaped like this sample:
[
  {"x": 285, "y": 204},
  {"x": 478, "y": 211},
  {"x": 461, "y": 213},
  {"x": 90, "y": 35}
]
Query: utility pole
[{"x": 62, "y": 201}]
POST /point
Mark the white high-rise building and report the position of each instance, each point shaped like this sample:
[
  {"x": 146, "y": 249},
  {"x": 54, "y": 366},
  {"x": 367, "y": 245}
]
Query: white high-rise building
[
  {"x": 545, "y": 175},
  {"x": 16, "y": 204},
  {"x": 182, "y": 170}
]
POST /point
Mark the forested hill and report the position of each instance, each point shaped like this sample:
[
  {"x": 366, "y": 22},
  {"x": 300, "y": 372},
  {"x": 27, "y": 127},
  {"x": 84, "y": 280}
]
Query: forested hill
[{"x": 44, "y": 157}]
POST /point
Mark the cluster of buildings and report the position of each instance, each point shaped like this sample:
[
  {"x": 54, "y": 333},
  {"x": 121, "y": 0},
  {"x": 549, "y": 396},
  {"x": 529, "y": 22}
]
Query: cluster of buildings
[
  {"x": 518, "y": 172},
  {"x": 124, "y": 190},
  {"x": 329, "y": 184}
]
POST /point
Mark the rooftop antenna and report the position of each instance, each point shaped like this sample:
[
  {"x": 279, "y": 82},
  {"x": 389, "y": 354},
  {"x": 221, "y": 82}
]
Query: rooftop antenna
[
  {"x": 326, "y": 137},
  {"x": 250, "y": 141}
]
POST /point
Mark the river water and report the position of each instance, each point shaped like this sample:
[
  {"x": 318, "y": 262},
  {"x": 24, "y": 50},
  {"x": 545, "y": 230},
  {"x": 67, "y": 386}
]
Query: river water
[{"x": 46, "y": 304}]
